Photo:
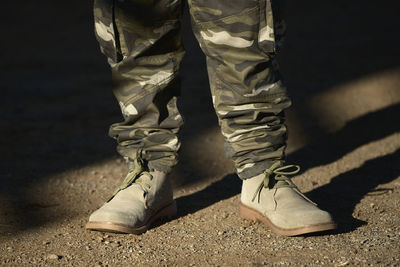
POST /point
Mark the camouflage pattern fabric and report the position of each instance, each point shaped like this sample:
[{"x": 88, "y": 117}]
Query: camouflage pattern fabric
[{"x": 240, "y": 38}]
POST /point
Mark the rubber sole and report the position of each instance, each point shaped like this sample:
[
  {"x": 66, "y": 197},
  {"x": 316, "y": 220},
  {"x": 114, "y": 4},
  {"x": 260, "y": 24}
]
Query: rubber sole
[
  {"x": 166, "y": 212},
  {"x": 248, "y": 213}
]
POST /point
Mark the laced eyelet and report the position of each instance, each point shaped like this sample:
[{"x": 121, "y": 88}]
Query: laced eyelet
[
  {"x": 134, "y": 176},
  {"x": 277, "y": 174}
]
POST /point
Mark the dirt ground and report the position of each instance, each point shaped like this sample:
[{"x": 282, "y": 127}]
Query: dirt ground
[{"x": 341, "y": 62}]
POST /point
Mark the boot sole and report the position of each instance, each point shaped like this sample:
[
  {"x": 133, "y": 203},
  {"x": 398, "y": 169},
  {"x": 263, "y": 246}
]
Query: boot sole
[
  {"x": 248, "y": 213},
  {"x": 166, "y": 212}
]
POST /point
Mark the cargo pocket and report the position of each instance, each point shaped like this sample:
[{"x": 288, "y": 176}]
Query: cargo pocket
[
  {"x": 105, "y": 30},
  {"x": 266, "y": 34}
]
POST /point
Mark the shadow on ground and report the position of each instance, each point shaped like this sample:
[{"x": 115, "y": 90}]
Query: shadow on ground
[
  {"x": 57, "y": 103},
  {"x": 227, "y": 187},
  {"x": 342, "y": 194},
  {"x": 363, "y": 130}
]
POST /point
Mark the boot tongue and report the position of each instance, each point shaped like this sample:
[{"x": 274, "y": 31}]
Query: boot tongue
[
  {"x": 276, "y": 177},
  {"x": 137, "y": 175}
]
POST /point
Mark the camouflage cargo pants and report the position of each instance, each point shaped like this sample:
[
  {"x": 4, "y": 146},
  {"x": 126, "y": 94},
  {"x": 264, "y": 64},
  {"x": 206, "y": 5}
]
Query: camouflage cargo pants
[{"x": 141, "y": 39}]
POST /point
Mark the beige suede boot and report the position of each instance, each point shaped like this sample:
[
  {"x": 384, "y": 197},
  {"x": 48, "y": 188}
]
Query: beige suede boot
[
  {"x": 142, "y": 198},
  {"x": 274, "y": 199}
]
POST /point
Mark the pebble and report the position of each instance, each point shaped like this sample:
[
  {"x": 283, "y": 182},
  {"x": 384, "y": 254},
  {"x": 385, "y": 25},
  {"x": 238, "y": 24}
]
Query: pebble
[
  {"x": 116, "y": 245},
  {"x": 53, "y": 257}
]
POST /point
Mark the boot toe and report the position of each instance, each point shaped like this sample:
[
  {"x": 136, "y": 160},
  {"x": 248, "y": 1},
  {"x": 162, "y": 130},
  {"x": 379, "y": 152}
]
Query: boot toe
[
  {"x": 114, "y": 216},
  {"x": 291, "y": 219}
]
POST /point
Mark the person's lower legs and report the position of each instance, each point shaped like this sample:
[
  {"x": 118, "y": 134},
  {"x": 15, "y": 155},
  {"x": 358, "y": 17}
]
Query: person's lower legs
[
  {"x": 141, "y": 40},
  {"x": 248, "y": 94},
  {"x": 239, "y": 38}
]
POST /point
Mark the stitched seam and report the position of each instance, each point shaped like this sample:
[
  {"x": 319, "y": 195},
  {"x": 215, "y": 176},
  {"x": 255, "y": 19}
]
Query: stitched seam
[
  {"x": 146, "y": 93},
  {"x": 270, "y": 95},
  {"x": 209, "y": 24}
]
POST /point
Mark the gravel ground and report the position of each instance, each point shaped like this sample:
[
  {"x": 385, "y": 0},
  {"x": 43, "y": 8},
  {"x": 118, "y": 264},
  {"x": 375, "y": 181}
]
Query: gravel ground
[{"x": 58, "y": 165}]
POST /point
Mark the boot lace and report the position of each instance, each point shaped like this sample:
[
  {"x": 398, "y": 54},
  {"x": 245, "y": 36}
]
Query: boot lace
[
  {"x": 135, "y": 176},
  {"x": 276, "y": 177}
]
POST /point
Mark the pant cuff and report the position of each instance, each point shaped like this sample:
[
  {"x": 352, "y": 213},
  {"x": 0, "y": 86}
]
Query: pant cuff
[{"x": 255, "y": 170}]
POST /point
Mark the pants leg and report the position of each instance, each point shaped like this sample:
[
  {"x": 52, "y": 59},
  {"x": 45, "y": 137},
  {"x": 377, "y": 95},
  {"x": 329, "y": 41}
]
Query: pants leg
[
  {"x": 142, "y": 42},
  {"x": 240, "y": 39}
]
